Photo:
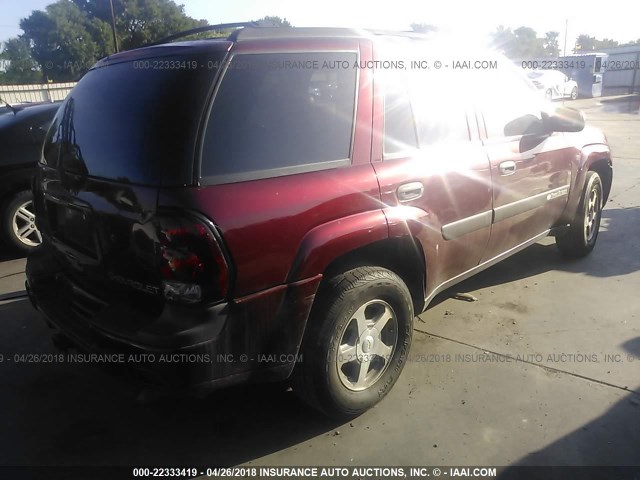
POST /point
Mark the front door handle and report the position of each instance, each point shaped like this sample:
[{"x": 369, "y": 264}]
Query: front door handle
[
  {"x": 410, "y": 191},
  {"x": 507, "y": 168}
]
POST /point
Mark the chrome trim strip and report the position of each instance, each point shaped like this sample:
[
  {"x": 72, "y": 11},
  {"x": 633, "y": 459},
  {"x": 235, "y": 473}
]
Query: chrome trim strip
[
  {"x": 467, "y": 225},
  {"x": 530, "y": 203},
  {"x": 482, "y": 266}
]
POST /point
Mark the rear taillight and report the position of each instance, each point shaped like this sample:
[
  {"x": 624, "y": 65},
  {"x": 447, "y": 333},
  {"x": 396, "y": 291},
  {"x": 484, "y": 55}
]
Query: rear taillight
[{"x": 192, "y": 266}]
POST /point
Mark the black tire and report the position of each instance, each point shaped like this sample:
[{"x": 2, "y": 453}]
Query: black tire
[
  {"x": 339, "y": 391},
  {"x": 574, "y": 93},
  {"x": 583, "y": 231},
  {"x": 12, "y": 207}
]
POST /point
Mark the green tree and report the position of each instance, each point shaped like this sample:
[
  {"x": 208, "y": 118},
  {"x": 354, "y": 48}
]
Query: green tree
[
  {"x": 65, "y": 42},
  {"x": 523, "y": 42},
  {"x": 139, "y": 22},
  {"x": 274, "y": 21},
  {"x": 551, "y": 45},
  {"x": 503, "y": 39},
  {"x": 21, "y": 68},
  {"x": 586, "y": 43},
  {"x": 528, "y": 45},
  {"x": 69, "y": 36}
]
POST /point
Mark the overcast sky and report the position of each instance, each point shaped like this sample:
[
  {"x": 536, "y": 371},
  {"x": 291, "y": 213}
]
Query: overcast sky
[{"x": 469, "y": 20}]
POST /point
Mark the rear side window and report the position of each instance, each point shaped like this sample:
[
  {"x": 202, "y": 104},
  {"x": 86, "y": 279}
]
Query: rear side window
[{"x": 280, "y": 113}]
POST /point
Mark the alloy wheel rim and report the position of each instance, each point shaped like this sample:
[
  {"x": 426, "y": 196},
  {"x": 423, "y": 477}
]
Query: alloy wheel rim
[
  {"x": 591, "y": 215},
  {"x": 24, "y": 225},
  {"x": 367, "y": 344}
]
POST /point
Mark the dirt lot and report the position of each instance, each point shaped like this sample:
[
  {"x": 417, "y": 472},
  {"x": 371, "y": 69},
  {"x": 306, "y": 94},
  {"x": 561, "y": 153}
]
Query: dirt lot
[{"x": 542, "y": 369}]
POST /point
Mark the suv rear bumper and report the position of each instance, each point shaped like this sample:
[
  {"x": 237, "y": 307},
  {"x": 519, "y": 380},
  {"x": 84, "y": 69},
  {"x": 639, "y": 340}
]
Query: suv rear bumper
[{"x": 255, "y": 338}]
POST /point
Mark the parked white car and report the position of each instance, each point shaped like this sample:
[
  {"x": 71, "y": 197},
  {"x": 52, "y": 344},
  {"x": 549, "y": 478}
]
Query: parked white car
[{"x": 553, "y": 84}]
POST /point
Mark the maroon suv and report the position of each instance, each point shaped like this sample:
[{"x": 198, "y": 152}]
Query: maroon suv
[{"x": 281, "y": 203}]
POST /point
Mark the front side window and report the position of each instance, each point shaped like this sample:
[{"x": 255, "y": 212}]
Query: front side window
[
  {"x": 280, "y": 113},
  {"x": 510, "y": 105}
]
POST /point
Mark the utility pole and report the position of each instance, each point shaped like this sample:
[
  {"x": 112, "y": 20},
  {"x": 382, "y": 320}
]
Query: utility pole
[
  {"x": 113, "y": 27},
  {"x": 566, "y": 27}
]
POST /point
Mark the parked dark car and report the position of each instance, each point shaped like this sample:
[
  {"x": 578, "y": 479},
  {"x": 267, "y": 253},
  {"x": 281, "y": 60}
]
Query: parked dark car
[
  {"x": 22, "y": 132},
  {"x": 281, "y": 203}
]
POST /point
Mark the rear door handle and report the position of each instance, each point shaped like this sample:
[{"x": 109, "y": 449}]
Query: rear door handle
[
  {"x": 410, "y": 191},
  {"x": 507, "y": 168}
]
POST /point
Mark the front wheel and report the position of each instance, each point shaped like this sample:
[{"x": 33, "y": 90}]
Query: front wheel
[
  {"x": 583, "y": 231},
  {"x": 357, "y": 342}
]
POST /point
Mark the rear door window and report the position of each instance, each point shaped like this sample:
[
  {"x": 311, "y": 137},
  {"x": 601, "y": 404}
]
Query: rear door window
[
  {"x": 439, "y": 107},
  {"x": 399, "y": 126},
  {"x": 280, "y": 113}
]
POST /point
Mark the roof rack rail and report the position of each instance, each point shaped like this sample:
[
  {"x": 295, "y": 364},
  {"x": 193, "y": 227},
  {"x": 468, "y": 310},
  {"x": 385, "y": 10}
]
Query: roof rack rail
[
  {"x": 400, "y": 33},
  {"x": 267, "y": 31},
  {"x": 206, "y": 28}
]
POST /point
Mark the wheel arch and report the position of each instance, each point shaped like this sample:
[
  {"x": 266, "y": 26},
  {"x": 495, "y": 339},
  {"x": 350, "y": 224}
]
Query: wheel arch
[
  {"x": 594, "y": 157},
  {"x": 17, "y": 180},
  {"x": 604, "y": 169},
  {"x": 9, "y": 194},
  {"x": 401, "y": 255}
]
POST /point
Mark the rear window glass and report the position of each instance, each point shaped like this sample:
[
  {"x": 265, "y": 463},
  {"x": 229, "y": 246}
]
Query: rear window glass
[
  {"x": 399, "y": 127},
  {"x": 134, "y": 121},
  {"x": 439, "y": 110},
  {"x": 277, "y": 114}
]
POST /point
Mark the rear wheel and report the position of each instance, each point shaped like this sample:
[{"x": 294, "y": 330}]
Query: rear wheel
[
  {"x": 19, "y": 222},
  {"x": 583, "y": 231},
  {"x": 357, "y": 342}
]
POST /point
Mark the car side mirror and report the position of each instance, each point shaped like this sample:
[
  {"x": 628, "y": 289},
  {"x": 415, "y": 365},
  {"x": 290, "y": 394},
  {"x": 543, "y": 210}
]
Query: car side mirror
[
  {"x": 525, "y": 125},
  {"x": 564, "y": 119}
]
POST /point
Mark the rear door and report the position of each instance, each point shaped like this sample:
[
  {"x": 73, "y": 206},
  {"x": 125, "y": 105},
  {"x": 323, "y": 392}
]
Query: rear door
[{"x": 433, "y": 170}]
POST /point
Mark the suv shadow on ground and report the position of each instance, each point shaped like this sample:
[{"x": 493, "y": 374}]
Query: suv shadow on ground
[
  {"x": 609, "y": 440},
  {"x": 79, "y": 414},
  {"x": 626, "y": 104}
]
